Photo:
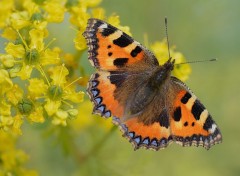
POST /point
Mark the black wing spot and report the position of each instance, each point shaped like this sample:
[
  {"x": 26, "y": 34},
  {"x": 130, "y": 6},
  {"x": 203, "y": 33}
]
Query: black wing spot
[
  {"x": 108, "y": 31},
  {"x": 120, "y": 62},
  {"x": 123, "y": 41},
  {"x": 110, "y": 53},
  {"x": 193, "y": 124},
  {"x": 135, "y": 51},
  {"x": 177, "y": 114},
  {"x": 208, "y": 123},
  {"x": 197, "y": 109},
  {"x": 185, "y": 124},
  {"x": 163, "y": 119},
  {"x": 117, "y": 78},
  {"x": 186, "y": 97},
  {"x": 109, "y": 46}
]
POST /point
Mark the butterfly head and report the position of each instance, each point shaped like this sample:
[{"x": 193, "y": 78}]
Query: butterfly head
[{"x": 162, "y": 73}]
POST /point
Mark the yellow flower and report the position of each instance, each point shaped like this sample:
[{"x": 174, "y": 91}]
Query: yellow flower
[
  {"x": 60, "y": 118},
  {"x": 25, "y": 72},
  {"x": 79, "y": 41},
  {"x": 91, "y": 3},
  {"x": 98, "y": 13},
  {"x": 36, "y": 39},
  {"x": 79, "y": 16},
  {"x": 20, "y": 20},
  {"x": 36, "y": 115},
  {"x": 58, "y": 75},
  {"x": 9, "y": 33},
  {"x": 5, "y": 108},
  {"x": 61, "y": 95},
  {"x": 30, "y": 56},
  {"x": 37, "y": 88},
  {"x": 32, "y": 110},
  {"x": 5, "y": 82},
  {"x": 15, "y": 94},
  {"x": 12, "y": 159},
  {"x": 55, "y": 11},
  {"x": 5, "y": 122},
  {"x": 51, "y": 107},
  {"x": 31, "y": 7},
  {"x": 70, "y": 61},
  {"x": 7, "y": 60},
  {"x": 17, "y": 123},
  {"x": 114, "y": 20},
  {"x": 16, "y": 50},
  {"x": 181, "y": 71},
  {"x": 71, "y": 95},
  {"x": 6, "y": 7}
]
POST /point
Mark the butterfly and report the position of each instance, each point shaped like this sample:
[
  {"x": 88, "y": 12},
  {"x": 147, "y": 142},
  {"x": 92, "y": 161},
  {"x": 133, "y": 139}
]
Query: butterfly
[{"x": 151, "y": 107}]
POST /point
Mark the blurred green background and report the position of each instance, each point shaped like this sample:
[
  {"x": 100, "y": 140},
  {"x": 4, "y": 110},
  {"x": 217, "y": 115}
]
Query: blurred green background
[{"x": 200, "y": 30}]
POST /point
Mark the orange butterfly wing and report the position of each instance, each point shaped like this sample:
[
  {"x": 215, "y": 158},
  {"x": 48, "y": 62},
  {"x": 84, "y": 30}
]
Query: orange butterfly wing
[
  {"x": 151, "y": 136},
  {"x": 101, "y": 92},
  {"x": 190, "y": 122},
  {"x": 110, "y": 48}
]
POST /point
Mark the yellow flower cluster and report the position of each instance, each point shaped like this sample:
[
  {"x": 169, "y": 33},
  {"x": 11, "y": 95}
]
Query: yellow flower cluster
[
  {"x": 34, "y": 82},
  {"x": 12, "y": 159}
]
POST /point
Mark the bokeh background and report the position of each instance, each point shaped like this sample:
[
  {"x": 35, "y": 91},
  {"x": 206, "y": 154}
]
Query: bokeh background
[{"x": 200, "y": 30}]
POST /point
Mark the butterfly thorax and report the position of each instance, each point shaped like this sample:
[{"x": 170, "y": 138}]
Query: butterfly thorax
[{"x": 161, "y": 74}]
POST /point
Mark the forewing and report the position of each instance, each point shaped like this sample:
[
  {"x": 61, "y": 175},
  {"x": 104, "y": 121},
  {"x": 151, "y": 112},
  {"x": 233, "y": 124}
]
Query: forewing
[{"x": 112, "y": 49}]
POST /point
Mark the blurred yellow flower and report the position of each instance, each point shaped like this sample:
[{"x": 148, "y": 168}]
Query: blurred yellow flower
[
  {"x": 12, "y": 159},
  {"x": 16, "y": 50},
  {"x": 20, "y": 19},
  {"x": 9, "y": 33},
  {"x": 37, "y": 88},
  {"x": 7, "y": 60},
  {"x": 51, "y": 106},
  {"x": 91, "y": 3},
  {"x": 115, "y": 21},
  {"x": 55, "y": 11},
  {"x": 6, "y": 7},
  {"x": 98, "y": 13},
  {"x": 15, "y": 94},
  {"x": 36, "y": 115},
  {"x": 60, "y": 118},
  {"x": 5, "y": 82}
]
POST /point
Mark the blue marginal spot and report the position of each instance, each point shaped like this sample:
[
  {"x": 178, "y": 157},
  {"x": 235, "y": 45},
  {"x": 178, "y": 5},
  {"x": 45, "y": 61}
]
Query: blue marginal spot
[
  {"x": 98, "y": 100},
  {"x": 95, "y": 92},
  {"x": 210, "y": 138},
  {"x": 163, "y": 141},
  {"x": 116, "y": 119},
  {"x": 146, "y": 141},
  {"x": 131, "y": 134},
  {"x": 154, "y": 142},
  {"x": 124, "y": 127},
  {"x": 94, "y": 83},
  {"x": 101, "y": 108},
  {"x": 107, "y": 114},
  {"x": 137, "y": 139}
]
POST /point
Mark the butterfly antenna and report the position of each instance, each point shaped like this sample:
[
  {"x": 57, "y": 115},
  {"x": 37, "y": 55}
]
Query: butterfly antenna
[
  {"x": 169, "y": 56},
  {"x": 197, "y": 61}
]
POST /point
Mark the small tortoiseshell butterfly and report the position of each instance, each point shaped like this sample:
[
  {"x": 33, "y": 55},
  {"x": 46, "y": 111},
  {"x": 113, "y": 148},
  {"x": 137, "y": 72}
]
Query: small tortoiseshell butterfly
[{"x": 150, "y": 106}]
